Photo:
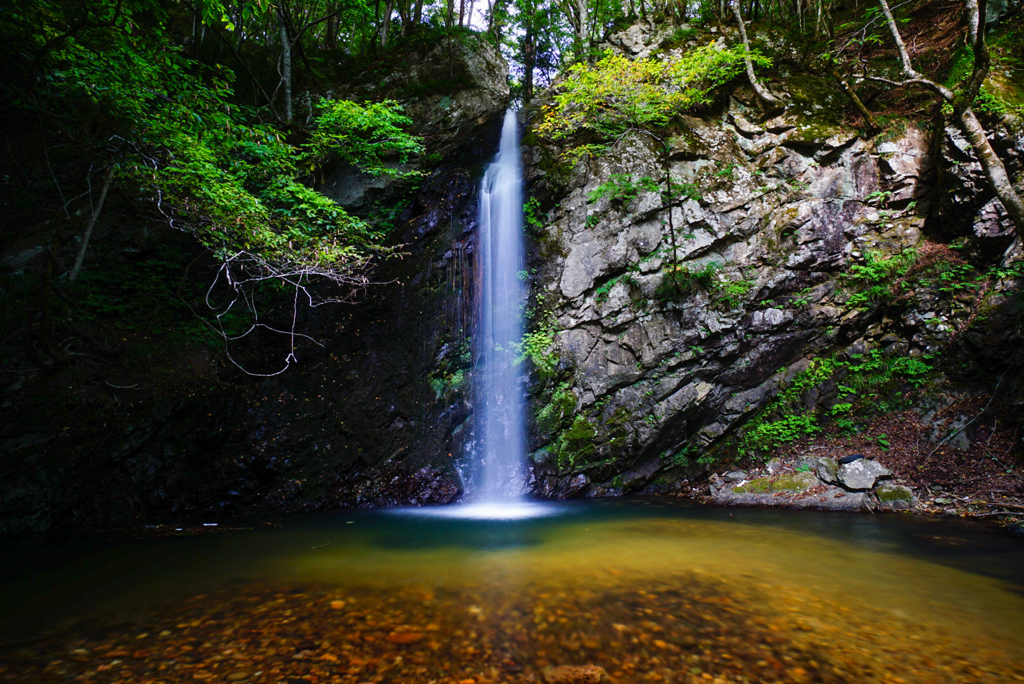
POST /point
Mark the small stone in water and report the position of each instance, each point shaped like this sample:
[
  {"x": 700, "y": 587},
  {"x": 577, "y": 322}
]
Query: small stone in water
[
  {"x": 238, "y": 676},
  {"x": 573, "y": 674},
  {"x": 337, "y": 605},
  {"x": 405, "y": 637}
]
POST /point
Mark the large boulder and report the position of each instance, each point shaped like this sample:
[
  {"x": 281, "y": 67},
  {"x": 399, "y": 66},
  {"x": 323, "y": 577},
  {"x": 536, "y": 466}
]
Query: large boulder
[{"x": 861, "y": 475}]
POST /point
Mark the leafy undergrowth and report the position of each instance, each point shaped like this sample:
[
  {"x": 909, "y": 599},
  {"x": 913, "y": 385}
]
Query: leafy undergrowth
[{"x": 965, "y": 458}]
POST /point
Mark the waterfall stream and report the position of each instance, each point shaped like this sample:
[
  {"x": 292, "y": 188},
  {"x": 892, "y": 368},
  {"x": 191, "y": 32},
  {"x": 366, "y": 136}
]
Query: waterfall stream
[{"x": 499, "y": 387}]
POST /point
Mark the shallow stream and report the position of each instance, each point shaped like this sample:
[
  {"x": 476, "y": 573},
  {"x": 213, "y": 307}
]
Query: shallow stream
[{"x": 646, "y": 590}]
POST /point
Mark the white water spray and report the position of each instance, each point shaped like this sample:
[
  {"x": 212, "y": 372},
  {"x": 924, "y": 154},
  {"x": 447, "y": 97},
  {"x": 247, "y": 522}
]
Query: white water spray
[{"x": 499, "y": 388}]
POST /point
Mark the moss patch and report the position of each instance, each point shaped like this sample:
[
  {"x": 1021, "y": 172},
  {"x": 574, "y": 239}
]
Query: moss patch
[
  {"x": 781, "y": 483},
  {"x": 894, "y": 494}
]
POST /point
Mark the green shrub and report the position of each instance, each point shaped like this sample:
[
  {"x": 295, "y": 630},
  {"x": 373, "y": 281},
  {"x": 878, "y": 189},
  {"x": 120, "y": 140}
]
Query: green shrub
[
  {"x": 875, "y": 277},
  {"x": 622, "y": 188},
  {"x": 681, "y": 281},
  {"x": 767, "y": 436},
  {"x": 537, "y": 347}
]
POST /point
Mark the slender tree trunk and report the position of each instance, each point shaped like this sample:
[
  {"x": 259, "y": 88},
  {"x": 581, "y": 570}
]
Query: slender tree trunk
[
  {"x": 995, "y": 171},
  {"x": 761, "y": 91},
  {"x": 286, "y": 70},
  {"x": 404, "y": 12},
  {"x": 852, "y": 94},
  {"x": 73, "y": 276},
  {"x": 583, "y": 8},
  {"x": 385, "y": 25},
  {"x": 529, "y": 62},
  {"x": 331, "y": 35},
  {"x": 417, "y": 15}
]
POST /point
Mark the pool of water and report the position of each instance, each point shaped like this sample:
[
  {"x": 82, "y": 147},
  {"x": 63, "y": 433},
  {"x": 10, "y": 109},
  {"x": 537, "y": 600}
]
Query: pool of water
[{"x": 645, "y": 590}]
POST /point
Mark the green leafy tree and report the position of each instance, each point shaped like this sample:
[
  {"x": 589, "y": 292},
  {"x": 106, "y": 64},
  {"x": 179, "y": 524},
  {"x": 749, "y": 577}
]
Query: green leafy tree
[{"x": 166, "y": 128}]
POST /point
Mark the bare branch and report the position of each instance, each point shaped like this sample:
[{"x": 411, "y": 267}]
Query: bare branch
[{"x": 940, "y": 90}]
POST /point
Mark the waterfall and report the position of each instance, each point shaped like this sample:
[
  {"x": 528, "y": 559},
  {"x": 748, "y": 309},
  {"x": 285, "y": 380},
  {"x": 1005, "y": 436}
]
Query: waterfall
[{"x": 501, "y": 443}]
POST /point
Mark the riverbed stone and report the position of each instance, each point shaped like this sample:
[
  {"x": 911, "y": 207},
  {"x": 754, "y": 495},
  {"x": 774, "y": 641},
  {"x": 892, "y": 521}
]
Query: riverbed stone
[
  {"x": 862, "y": 474},
  {"x": 575, "y": 674},
  {"x": 735, "y": 476}
]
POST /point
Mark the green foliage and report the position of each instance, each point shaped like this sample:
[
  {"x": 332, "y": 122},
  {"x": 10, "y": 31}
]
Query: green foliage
[
  {"x": 681, "y": 35},
  {"x": 603, "y": 290},
  {"x": 446, "y": 385},
  {"x": 685, "y": 457},
  {"x": 987, "y": 101},
  {"x": 621, "y": 188},
  {"x": 618, "y": 94},
  {"x": 366, "y": 136},
  {"x": 560, "y": 408},
  {"x": 869, "y": 372},
  {"x": 766, "y": 436},
  {"x": 732, "y": 292},
  {"x": 683, "y": 281},
  {"x": 537, "y": 347},
  {"x": 864, "y": 379},
  {"x": 532, "y": 215},
  {"x": 875, "y": 277},
  {"x": 171, "y": 128}
]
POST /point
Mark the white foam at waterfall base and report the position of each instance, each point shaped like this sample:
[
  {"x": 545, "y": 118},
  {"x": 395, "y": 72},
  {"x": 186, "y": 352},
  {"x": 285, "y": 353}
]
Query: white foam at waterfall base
[
  {"x": 498, "y": 399},
  {"x": 495, "y": 510}
]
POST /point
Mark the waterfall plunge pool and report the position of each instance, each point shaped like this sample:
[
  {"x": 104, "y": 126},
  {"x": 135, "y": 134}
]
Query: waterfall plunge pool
[{"x": 645, "y": 589}]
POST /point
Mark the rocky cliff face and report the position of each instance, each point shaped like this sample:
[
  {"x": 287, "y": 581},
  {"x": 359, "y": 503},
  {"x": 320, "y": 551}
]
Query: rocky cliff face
[{"x": 782, "y": 220}]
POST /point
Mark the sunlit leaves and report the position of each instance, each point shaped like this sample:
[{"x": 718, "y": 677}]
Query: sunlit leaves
[
  {"x": 364, "y": 135},
  {"x": 617, "y": 94}
]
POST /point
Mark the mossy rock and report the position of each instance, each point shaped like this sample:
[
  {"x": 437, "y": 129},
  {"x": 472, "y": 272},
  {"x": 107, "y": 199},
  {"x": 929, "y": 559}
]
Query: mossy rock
[
  {"x": 576, "y": 445},
  {"x": 791, "y": 484},
  {"x": 818, "y": 98},
  {"x": 894, "y": 496}
]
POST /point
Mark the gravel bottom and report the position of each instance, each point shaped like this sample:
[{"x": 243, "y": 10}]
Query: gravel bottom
[{"x": 688, "y": 628}]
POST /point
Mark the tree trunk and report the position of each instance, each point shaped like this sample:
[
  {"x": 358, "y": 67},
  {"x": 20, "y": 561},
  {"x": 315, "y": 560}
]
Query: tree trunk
[
  {"x": 852, "y": 94},
  {"x": 286, "y": 70},
  {"x": 385, "y": 24},
  {"x": 88, "y": 228},
  {"x": 529, "y": 62},
  {"x": 995, "y": 171},
  {"x": 331, "y": 35},
  {"x": 761, "y": 91},
  {"x": 583, "y": 29}
]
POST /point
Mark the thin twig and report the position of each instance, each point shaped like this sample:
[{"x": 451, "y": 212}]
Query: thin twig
[{"x": 966, "y": 425}]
